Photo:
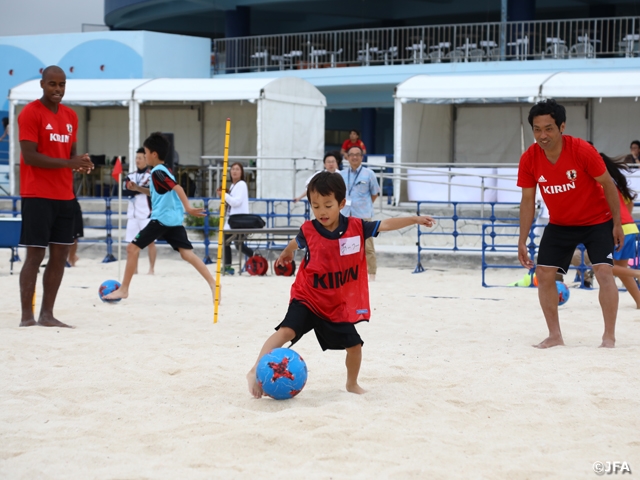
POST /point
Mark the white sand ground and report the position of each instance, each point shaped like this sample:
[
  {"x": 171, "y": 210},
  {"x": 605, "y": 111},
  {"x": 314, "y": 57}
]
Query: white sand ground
[{"x": 151, "y": 389}]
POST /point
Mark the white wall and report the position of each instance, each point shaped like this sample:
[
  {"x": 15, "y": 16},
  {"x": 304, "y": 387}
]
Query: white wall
[
  {"x": 616, "y": 123},
  {"x": 426, "y": 133},
  {"x": 108, "y": 131},
  {"x": 182, "y": 121},
  {"x": 491, "y": 133},
  {"x": 37, "y": 17}
]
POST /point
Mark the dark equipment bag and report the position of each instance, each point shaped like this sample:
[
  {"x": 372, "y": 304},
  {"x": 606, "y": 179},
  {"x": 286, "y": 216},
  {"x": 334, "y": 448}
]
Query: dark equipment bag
[{"x": 246, "y": 220}]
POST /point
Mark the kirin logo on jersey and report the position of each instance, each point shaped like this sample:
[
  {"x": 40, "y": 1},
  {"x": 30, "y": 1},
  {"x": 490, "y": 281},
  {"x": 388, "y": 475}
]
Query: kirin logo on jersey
[
  {"x": 56, "y": 137},
  {"x": 69, "y": 128},
  {"x": 572, "y": 175}
]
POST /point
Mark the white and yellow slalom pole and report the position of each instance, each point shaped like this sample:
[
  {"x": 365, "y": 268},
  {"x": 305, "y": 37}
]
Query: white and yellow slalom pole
[{"x": 216, "y": 301}]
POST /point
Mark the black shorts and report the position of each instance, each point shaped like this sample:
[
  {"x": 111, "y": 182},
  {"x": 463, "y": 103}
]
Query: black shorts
[
  {"x": 558, "y": 244},
  {"x": 78, "y": 223},
  {"x": 175, "y": 236},
  {"x": 46, "y": 221},
  {"x": 330, "y": 335}
]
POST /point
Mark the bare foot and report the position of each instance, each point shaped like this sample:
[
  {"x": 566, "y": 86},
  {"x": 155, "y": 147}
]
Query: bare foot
[
  {"x": 119, "y": 293},
  {"x": 29, "y": 322},
  {"x": 49, "y": 321},
  {"x": 608, "y": 342},
  {"x": 550, "y": 342},
  {"x": 255, "y": 389},
  {"x": 73, "y": 259},
  {"x": 355, "y": 388},
  {"x": 150, "y": 272}
]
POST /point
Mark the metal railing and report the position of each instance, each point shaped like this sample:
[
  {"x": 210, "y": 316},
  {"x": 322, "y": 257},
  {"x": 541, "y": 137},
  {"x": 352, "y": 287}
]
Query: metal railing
[
  {"x": 276, "y": 212},
  {"x": 472, "y": 42},
  {"x": 502, "y": 239}
]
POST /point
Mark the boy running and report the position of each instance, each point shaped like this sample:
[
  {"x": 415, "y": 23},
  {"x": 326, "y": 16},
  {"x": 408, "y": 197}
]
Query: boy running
[
  {"x": 168, "y": 204},
  {"x": 330, "y": 293}
]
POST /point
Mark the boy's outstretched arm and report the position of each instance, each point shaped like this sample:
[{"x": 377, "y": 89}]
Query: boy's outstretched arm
[
  {"x": 196, "y": 212},
  {"x": 287, "y": 254},
  {"x": 389, "y": 224}
]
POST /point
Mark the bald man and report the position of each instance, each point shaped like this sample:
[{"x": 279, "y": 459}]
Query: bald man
[{"x": 47, "y": 132}]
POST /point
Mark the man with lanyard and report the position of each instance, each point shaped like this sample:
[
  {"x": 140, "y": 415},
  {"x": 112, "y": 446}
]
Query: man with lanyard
[
  {"x": 48, "y": 159},
  {"x": 362, "y": 191}
]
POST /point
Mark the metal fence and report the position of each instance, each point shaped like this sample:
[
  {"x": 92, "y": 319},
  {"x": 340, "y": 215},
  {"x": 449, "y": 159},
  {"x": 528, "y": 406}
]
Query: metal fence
[
  {"x": 472, "y": 42},
  {"x": 276, "y": 212}
]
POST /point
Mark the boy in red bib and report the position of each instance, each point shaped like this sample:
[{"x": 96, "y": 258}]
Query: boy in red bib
[{"x": 331, "y": 292}]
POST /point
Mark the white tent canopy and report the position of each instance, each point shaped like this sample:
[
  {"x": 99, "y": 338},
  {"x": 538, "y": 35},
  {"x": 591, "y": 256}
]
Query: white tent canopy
[
  {"x": 270, "y": 117},
  {"x": 482, "y": 119}
]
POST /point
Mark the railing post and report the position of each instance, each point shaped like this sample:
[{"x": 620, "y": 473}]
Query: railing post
[
  {"x": 503, "y": 30},
  {"x": 109, "y": 257},
  {"x": 206, "y": 259}
]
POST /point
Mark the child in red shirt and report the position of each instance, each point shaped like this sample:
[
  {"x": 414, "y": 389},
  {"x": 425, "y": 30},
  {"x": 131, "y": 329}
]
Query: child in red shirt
[{"x": 330, "y": 293}]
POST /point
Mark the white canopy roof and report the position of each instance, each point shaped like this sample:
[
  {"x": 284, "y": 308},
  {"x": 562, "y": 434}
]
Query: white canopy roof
[
  {"x": 286, "y": 89},
  {"x": 593, "y": 85},
  {"x": 81, "y": 91},
  {"x": 517, "y": 87}
]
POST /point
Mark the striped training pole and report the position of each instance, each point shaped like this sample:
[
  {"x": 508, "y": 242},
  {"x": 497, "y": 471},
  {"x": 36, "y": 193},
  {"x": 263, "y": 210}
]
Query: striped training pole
[{"x": 225, "y": 164}]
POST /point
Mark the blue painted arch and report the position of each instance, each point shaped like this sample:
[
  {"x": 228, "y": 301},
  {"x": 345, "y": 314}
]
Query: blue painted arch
[
  {"x": 102, "y": 59},
  {"x": 16, "y": 66}
]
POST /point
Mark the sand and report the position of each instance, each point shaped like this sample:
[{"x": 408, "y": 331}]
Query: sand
[{"x": 150, "y": 388}]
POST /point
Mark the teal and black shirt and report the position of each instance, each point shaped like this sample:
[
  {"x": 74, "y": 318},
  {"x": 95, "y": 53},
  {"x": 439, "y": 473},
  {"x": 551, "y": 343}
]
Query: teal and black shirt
[{"x": 166, "y": 206}]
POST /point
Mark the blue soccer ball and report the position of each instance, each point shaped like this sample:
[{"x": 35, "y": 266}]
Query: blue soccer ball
[
  {"x": 282, "y": 373},
  {"x": 563, "y": 293},
  {"x": 106, "y": 288}
]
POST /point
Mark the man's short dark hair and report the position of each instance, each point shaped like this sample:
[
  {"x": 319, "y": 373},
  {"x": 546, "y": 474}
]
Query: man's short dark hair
[
  {"x": 355, "y": 146},
  {"x": 357, "y": 132},
  {"x": 140, "y": 150},
  {"x": 548, "y": 107},
  {"x": 635, "y": 142},
  {"x": 335, "y": 155},
  {"x": 326, "y": 183},
  {"x": 157, "y": 142}
]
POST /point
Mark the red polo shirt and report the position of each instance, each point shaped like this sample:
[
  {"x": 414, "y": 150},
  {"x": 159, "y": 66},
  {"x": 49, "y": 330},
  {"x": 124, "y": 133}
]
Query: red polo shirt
[
  {"x": 568, "y": 187},
  {"x": 54, "y": 133}
]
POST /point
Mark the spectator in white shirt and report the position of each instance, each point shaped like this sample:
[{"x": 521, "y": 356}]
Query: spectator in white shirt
[
  {"x": 237, "y": 200},
  {"x": 331, "y": 164}
]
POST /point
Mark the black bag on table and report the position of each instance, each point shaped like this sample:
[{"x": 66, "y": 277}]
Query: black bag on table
[{"x": 246, "y": 220}]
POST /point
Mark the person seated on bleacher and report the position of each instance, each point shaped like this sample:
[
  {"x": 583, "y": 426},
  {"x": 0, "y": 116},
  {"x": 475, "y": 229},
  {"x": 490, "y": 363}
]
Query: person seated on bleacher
[{"x": 353, "y": 141}]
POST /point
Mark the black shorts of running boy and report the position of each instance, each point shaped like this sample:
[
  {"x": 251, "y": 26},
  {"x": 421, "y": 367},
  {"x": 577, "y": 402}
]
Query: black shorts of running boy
[
  {"x": 46, "y": 221},
  {"x": 330, "y": 335},
  {"x": 175, "y": 236},
  {"x": 559, "y": 242}
]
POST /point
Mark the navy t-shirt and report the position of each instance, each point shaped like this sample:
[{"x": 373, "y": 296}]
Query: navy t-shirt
[{"x": 370, "y": 229}]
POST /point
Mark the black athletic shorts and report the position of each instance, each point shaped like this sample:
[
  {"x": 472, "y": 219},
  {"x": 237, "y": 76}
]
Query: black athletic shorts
[
  {"x": 46, "y": 221},
  {"x": 558, "y": 244},
  {"x": 330, "y": 335},
  {"x": 175, "y": 236},
  {"x": 78, "y": 223}
]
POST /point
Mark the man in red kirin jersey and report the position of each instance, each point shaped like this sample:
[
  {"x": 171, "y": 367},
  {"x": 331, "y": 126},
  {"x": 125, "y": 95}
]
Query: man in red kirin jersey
[
  {"x": 48, "y": 159},
  {"x": 583, "y": 208},
  {"x": 331, "y": 291}
]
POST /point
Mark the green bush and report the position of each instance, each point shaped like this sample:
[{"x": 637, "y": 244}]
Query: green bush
[{"x": 193, "y": 221}]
